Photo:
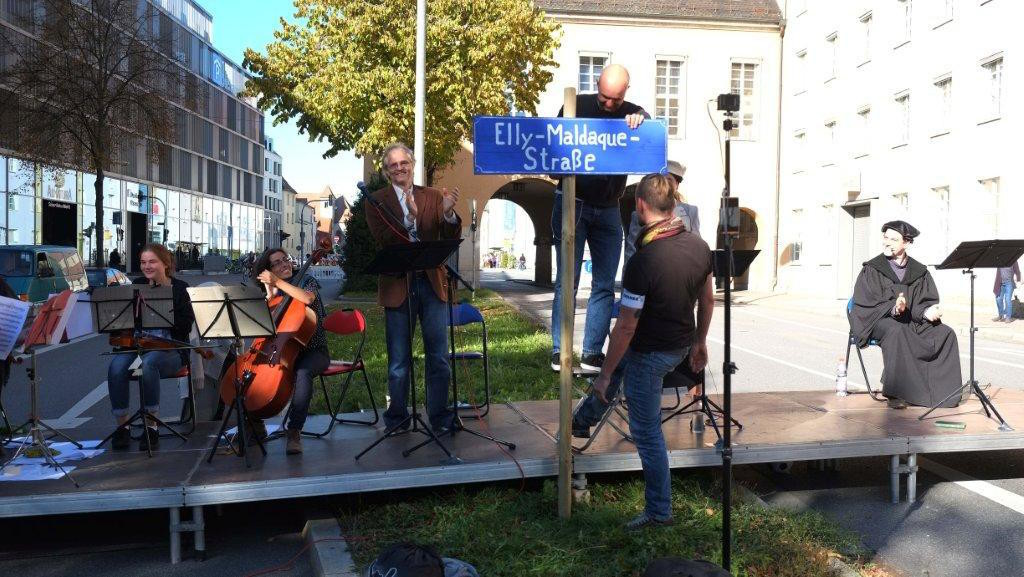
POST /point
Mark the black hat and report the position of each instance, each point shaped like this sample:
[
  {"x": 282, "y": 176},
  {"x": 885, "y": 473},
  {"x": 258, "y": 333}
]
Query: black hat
[
  {"x": 678, "y": 567},
  {"x": 407, "y": 560},
  {"x": 904, "y": 228}
]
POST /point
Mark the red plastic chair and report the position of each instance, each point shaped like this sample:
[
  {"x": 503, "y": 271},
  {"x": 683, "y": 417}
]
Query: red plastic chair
[{"x": 342, "y": 323}]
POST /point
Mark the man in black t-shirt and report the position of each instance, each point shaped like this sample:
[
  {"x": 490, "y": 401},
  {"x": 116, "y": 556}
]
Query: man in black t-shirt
[
  {"x": 598, "y": 223},
  {"x": 655, "y": 331}
]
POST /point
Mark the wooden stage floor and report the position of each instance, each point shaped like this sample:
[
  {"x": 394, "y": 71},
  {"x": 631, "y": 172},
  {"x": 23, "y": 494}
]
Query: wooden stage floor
[{"x": 777, "y": 427}]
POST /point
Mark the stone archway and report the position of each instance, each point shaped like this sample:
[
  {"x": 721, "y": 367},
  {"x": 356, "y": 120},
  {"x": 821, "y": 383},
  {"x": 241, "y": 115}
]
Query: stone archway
[{"x": 536, "y": 197}]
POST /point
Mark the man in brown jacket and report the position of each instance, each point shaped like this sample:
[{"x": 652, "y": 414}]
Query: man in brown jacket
[{"x": 402, "y": 213}]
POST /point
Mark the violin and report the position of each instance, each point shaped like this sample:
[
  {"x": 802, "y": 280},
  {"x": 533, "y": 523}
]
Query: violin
[
  {"x": 268, "y": 368},
  {"x": 129, "y": 339}
]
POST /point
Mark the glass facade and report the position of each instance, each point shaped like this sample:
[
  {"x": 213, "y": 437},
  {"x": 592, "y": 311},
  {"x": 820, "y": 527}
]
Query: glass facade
[{"x": 206, "y": 188}]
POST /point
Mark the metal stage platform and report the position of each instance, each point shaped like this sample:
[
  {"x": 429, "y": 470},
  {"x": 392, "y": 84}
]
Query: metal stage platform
[{"x": 778, "y": 427}]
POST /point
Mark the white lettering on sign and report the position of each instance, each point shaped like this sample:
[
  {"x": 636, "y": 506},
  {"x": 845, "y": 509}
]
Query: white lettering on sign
[{"x": 536, "y": 147}]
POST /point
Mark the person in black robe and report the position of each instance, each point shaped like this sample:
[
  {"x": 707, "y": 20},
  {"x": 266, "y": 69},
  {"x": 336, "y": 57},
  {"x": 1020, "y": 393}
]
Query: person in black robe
[{"x": 895, "y": 302}]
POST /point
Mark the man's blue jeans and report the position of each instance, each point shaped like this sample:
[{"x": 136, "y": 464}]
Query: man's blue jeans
[
  {"x": 643, "y": 375},
  {"x": 432, "y": 313},
  {"x": 155, "y": 365},
  {"x": 601, "y": 228},
  {"x": 1004, "y": 302}
]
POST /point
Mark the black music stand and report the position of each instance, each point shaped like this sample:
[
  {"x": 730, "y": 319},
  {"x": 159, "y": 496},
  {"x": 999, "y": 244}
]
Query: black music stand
[
  {"x": 34, "y": 438},
  {"x": 968, "y": 256},
  {"x": 235, "y": 312},
  {"x": 135, "y": 308},
  {"x": 404, "y": 260}
]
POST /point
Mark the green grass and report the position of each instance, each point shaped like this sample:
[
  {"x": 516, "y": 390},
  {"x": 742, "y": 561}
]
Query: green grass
[
  {"x": 519, "y": 352},
  {"x": 505, "y": 532}
]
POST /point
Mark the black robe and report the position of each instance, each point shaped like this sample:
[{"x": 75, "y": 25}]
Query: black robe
[{"x": 922, "y": 359}]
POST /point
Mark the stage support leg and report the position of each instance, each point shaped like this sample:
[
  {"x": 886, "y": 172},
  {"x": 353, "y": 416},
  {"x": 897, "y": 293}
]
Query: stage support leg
[
  {"x": 175, "y": 535},
  {"x": 898, "y": 468},
  {"x": 195, "y": 526}
]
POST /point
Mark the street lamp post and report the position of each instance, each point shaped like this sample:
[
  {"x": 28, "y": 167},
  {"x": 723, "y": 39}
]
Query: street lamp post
[{"x": 302, "y": 230}]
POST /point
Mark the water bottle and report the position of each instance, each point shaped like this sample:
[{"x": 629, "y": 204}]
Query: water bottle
[{"x": 841, "y": 390}]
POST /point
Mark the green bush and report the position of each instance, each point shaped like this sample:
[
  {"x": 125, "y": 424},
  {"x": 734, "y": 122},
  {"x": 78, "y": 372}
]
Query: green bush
[{"x": 360, "y": 247}]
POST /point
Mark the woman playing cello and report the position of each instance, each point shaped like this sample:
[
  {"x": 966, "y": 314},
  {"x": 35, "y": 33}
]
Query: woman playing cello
[
  {"x": 157, "y": 264},
  {"x": 274, "y": 270}
]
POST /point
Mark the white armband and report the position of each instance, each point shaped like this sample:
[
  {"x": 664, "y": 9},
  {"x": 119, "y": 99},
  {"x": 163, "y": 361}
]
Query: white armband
[{"x": 631, "y": 300}]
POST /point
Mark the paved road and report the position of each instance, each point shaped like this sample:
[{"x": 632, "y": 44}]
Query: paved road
[{"x": 959, "y": 526}]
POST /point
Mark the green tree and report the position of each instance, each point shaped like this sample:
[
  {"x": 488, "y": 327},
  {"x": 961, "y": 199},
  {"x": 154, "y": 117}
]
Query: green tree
[
  {"x": 348, "y": 73},
  {"x": 360, "y": 247}
]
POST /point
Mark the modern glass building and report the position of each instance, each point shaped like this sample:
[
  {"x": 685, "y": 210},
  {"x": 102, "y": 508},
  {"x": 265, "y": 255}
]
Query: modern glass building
[{"x": 206, "y": 191}]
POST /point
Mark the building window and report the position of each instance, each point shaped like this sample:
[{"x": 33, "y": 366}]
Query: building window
[
  {"x": 831, "y": 139},
  {"x": 903, "y": 118},
  {"x": 904, "y": 12},
  {"x": 993, "y": 77},
  {"x": 943, "y": 104},
  {"x": 590, "y": 71},
  {"x": 800, "y": 148},
  {"x": 668, "y": 94},
  {"x": 902, "y": 202},
  {"x": 744, "y": 82},
  {"x": 832, "y": 41},
  {"x": 864, "y": 131},
  {"x": 798, "y": 226},
  {"x": 946, "y": 8},
  {"x": 800, "y": 72},
  {"x": 865, "y": 38}
]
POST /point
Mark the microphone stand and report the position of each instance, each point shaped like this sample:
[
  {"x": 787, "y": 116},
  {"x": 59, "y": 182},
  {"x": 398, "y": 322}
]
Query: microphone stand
[{"x": 457, "y": 424}]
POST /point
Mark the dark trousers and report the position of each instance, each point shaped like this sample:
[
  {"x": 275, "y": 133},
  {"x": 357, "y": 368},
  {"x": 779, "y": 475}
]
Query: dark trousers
[{"x": 309, "y": 365}]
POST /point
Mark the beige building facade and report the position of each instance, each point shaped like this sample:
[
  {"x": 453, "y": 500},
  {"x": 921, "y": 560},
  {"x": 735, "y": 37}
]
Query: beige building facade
[{"x": 897, "y": 109}]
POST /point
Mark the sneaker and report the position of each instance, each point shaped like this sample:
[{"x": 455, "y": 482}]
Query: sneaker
[
  {"x": 121, "y": 440},
  {"x": 592, "y": 363},
  {"x": 997, "y": 320},
  {"x": 644, "y": 521},
  {"x": 293, "y": 443},
  {"x": 556, "y": 361},
  {"x": 150, "y": 439}
]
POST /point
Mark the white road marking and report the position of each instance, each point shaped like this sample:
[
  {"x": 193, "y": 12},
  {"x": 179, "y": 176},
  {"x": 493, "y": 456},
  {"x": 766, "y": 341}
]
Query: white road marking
[
  {"x": 997, "y": 495},
  {"x": 834, "y": 331},
  {"x": 71, "y": 419}
]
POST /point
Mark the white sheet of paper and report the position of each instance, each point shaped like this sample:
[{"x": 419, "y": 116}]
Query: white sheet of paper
[
  {"x": 12, "y": 318},
  {"x": 32, "y": 472}
]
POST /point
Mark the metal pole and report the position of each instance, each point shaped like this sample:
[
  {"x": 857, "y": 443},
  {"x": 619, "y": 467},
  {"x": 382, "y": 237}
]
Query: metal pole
[
  {"x": 421, "y": 67},
  {"x": 727, "y": 369},
  {"x": 566, "y": 318}
]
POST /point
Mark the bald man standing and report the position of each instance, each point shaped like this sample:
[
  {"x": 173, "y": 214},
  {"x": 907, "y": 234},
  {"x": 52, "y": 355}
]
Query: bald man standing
[{"x": 598, "y": 223}]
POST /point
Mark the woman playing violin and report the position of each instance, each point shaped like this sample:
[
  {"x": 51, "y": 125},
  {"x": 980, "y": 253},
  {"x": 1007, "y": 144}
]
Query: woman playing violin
[
  {"x": 274, "y": 270},
  {"x": 157, "y": 264}
]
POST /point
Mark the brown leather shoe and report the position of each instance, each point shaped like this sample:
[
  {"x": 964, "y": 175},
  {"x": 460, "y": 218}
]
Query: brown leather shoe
[{"x": 293, "y": 442}]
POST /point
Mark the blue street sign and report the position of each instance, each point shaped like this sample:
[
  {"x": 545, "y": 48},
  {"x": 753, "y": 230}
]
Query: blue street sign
[{"x": 530, "y": 145}]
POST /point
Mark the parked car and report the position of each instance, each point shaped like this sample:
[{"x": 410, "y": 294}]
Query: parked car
[
  {"x": 35, "y": 272},
  {"x": 107, "y": 276}
]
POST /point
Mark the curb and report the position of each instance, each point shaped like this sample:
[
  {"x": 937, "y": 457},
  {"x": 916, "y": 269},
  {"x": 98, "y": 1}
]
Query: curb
[
  {"x": 836, "y": 567},
  {"x": 329, "y": 554}
]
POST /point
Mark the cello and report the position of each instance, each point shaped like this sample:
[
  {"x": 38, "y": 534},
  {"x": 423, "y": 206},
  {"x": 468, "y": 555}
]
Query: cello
[{"x": 267, "y": 369}]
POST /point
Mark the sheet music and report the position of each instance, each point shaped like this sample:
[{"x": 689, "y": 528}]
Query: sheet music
[{"x": 13, "y": 313}]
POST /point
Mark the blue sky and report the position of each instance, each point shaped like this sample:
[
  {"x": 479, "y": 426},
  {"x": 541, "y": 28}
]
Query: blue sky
[{"x": 241, "y": 24}]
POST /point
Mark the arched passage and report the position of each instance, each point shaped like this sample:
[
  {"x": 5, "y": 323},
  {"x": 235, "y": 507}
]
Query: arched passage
[
  {"x": 536, "y": 197},
  {"x": 745, "y": 240}
]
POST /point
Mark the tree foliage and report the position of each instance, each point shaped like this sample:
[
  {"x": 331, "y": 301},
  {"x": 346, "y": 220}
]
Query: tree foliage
[
  {"x": 348, "y": 73},
  {"x": 360, "y": 248},
  {"x": 88, "y": 91}
]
